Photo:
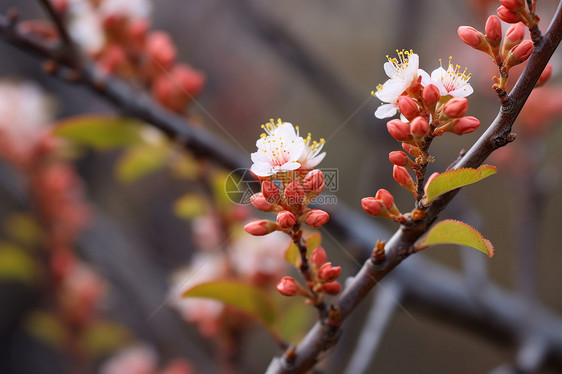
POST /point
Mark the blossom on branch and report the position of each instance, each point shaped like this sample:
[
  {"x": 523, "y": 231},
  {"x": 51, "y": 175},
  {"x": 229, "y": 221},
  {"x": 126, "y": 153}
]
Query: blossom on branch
[{"x": 452, "y": 82}]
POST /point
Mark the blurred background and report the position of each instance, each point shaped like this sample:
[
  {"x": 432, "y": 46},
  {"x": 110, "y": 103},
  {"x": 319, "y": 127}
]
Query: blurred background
[{"x": 313, "y": 63}]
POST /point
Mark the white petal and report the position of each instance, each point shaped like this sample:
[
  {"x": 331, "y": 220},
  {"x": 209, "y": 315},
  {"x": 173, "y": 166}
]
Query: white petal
[
  {"x": 296, "y": 149},
  {"x": 389, "y": 69},
  {"x": 426, "y": 79},
  {"x": 411, "y": 71},
  {"x": 291, "y": 165},
  {"x": 438, "y": 74},
  {"x": 463, "y": 91},
  {"x": 314, "y": 161},
  {"x": 391, "y": 89},
  {"x": 260, "y": 156},
  {"x": 287, "y": 131},
  {"x": 262, "y": 169},
  {"x": 385, "y": 111}
]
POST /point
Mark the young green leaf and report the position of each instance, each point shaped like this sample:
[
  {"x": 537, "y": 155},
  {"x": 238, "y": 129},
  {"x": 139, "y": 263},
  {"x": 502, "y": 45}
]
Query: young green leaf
[
  {"x": 190, "y": 206},
  {"x": 241, "y": 296},
  {"x": 455, "y": 232},
  {"x": 456, "y": 178},
  {"x": 140, "y": 160},
  {"x": 103, "y": 337},
  {"x": 17, "y": 264},
  {"x": 313, "y": 241},
  {"x": 100, "y": 132},
  {"x": 292, "y": 255}
]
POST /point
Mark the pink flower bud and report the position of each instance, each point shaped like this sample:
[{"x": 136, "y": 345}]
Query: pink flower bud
[
  {"x": 372, "y": 206},
  {"x": 512, "y": 4},
  {"x": 545, "y": 75},
  {"x": 507, "y": 15},
  {"x": 171, "y": 93},
  {"x": 522, "y": 51},
  {"x": 466, "y": 125},
  {"x": 160, "y": 47},
  {"x": 399, "y": 130},
  {"x": 431, "y": 177},
  {"x": 294, "y": 193},
  {"x": 419, "y": 127},
  {"x": 431, "y": 94},
  {"x": 260, "y": 227},
  {"x": 399, "y": 158},
  {"x": 331, "y": 288},
  {"x": 286, "y": 219},
  {"x": 317, "y": 218},
  {"x": 386, "y": 197},
  {"x": 456, "y": 107},
  {"x": 260, "y": 202},
  {"x": 472, "y": 37},
  {"x": 329, "y": 273},
  {"x": 401, "y": 175},
  {"x": 313, "y": 182},
  {"x": 494, "y": 31},
  {"x": 287, "y": 286},
  {"x": 411, "y": 149},
  {"x": 318, "y": 256},
  {"x": 516, "y": 33},
  {"x": 270, "y": 191},
  {"x": 408, "y": 107}
]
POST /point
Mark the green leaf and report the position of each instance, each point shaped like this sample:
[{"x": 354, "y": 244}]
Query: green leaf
[
  {"x": 244, "y": 297},
  {"x": 23, "y": 229},
  {"x": 453, "y": 179},
  {"x": 295, "y": 319},
  {"x": 140, "y": 160},
  {"x": 292, "y": 255},
  {"x": 100, "y": 132},
  {"x": 16, "y": 264},
  {"x": 104, "y": 337},
  {"x": 47, "y": 328},
  {"x": 189, "y": 206},
  {"x": 455, "y": 232}
]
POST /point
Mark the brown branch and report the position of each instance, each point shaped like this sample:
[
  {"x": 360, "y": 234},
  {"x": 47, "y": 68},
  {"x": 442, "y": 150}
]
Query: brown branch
[{"x": 204, "y": 144}]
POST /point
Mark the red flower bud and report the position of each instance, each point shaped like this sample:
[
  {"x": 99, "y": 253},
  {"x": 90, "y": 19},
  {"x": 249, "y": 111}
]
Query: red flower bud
[
  {"x": 313, "y": 182},
  {"x": 294, "y": 193},
  {"x": 386, "y": 197},
  {"x": 516, "y": 33},
  {"x": 401, "y": 175},
  {"x": 260, "y": 227},
  {"x": 494, "y": 31},
  {"x": 411, "y": 149},
  {"x": 399, "y": 130},
  {"x": 287, "y": 286},
  {"x": 431, "y": 94},
  {"x": 466, "y": 125},
  {"x": 507, "y": 15},
  {"x": 522, "y": 51},
  {"x": 286, "y": 219},
  {"x": 160, "y": 47},
  {"x": 456, "y": 107},
  {"x": 419, "y": 127},
  {"x": 512, "y": 4},
  {"x": 331, "y": 288},
  {"x": 318, "y": 256},
  {"x": 270, "y": 191},
  {"x": 472, "y": 37},
  {"x": 260, "y": 202},
  {"x": 329, "y": 273},
  {"x": 399, "y": 158},
  {"x": 317, "y": 218},
  {"x": 372, "y": 206},
  {"x": 408, "y": 107}
]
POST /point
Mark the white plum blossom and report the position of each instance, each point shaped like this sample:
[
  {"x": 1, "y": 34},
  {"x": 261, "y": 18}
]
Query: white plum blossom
[
  {"x": 451, "y": 82},
  {"x": 85, "y": 26},
  {"x": 311, "y": 155},
  {"x": 279, "y": 149},
  {"x": 403, "y": 72},
  {"x": 131, "y": 9}
]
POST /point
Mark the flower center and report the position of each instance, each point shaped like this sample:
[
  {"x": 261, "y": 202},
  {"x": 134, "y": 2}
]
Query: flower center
[
  {"x": 401, "y": 63},
  {"x": 454, "y": 78}
]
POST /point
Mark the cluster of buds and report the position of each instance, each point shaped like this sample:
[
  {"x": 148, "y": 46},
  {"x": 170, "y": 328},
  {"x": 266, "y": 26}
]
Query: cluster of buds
[
  {"x": 382, "y": 205},
  {"x": 430, "y": 105},
  {"x": 119, "y": 39},
  {"x": 513, "y": 49},
  {"x": 284, "y": 165},
  {"x": 323, "y": 279}
]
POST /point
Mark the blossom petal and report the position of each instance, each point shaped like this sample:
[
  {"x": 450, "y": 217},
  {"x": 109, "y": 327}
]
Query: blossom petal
[
  {"x": 391, "y": 89},
  {"x": 291, "y": 165},
  {"x": 385, "y": 111},
  {"x": 389, "y": 69},
  {"x": 426, "y": 79},
  {"x": 462, "y": 91},
  {"x": 262, "y": 169},
  {"x": 309, "y": 164}
]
